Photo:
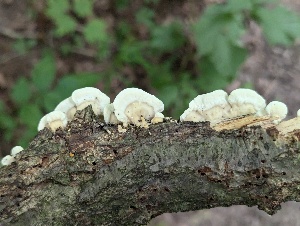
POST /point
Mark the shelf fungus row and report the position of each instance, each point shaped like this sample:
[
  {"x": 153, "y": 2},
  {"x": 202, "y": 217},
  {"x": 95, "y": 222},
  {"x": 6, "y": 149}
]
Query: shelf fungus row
[
  {"x": 135, "y": 106},
  {"x": 9, "y": 159},
  {"x": 66, "y": 109},
  {"x": 131, "y": 106},
  {"x": 217, "y": 107}
]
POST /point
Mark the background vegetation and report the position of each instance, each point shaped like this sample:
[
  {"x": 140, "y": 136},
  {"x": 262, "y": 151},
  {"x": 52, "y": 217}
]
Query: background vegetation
[{"x": 136, "y": 45}]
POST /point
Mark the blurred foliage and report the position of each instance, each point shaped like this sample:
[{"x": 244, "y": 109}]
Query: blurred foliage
[
  {"x": 38, "y": 94},
  {"x": 178, "y": 60}
]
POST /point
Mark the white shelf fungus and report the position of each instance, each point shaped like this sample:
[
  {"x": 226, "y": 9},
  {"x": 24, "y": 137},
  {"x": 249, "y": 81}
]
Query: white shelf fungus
[
  {"x": 211, "y": 107},
  {"x": 90, "y": 96},
  {"x": 245, "y": 102},
  {"x": 68, "y": 107},
  {"x": 277, "y": 110},
  {"x": 133, "y": 105},
  {"x": 158, "y": 117},
  {"x": 109, "y": 114},
  {"x": 7, "y": 160},
  {"x": 53, "y": 121},
  {"x": 192, "y": 116},
  {"x": 15, "y": 150},
  {"x": 298, "y": 113}
]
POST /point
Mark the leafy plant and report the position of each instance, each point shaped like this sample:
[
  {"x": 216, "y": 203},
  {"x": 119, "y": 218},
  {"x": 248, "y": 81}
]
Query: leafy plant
[
  {"x": 66, "y": 16},
  {"x": 218, "y": 35},
  {"x": 175, "y": 60},
  {"x": 37, "y": 95}
]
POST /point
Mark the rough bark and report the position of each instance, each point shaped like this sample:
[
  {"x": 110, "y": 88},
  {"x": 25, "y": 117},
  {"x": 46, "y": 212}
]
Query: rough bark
[{"x": 91, "y": 174}]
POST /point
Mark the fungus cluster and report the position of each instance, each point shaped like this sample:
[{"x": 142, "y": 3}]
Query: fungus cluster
[
  {"x": 211, "y": 107},
  {"x": 217, "y": 106},
  {"x": 131, "y": 106},
  {"x": 66, "y": 109},
  {"x": 9, "y": 159},
  {"x": 135, "y": 106}
]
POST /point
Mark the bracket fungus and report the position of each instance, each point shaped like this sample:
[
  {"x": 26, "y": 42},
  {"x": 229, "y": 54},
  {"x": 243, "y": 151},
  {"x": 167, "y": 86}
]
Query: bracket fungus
[
  {"x": 68, "y": 107},
  {"x": 53, "y": 121},
  {"x": 90, "y": 96},
  {"x": 211, "y": 107},
  {"x": 15, "y": 150},
  {"x": 277, "y": 110},
  {"x": 298, "y": 113},
  {"x": 7, "y": 160},
  {"x": 245, "y": 102},
  {"x": 109, "y": 114},
  {"x": 158, "y": 117},
  {"x": 133, "y": 105}
]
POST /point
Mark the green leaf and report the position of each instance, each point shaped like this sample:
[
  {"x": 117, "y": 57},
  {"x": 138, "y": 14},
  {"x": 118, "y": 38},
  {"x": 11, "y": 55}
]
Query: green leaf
[
  {"x": 7, "y": 122},
  {"x": 64, "y": 25},
  {"x": 236, "y": 6},
  {"x": 280, "y": 25},
  {"x": 121, "y": 4},
  {"x": 145, "y": 16},
  {"x": 227, "y": 58},
  {"x": 131, "y": 52},
  {"x": 123, "y": 31},
  {"x": 22, "y": 45},
  {"x": 66, "y": 48},
  {"x": 43, "y": 73},
  {"x": 52, "y": 100},
  {"x": 215, "y": 25},
  {"x": 57, "y": 12},
  {"x": 30, "y": 115},
  {"x": 210, "y": 78},
  {"x": 160, "y": 75},
  {"x": 167, "y": 38},
  {"x": 21, "y": 92},
  {"x": 95, "y": 31},
  {"x": 169, "y": 95},
  {"x": 83, "y": 8},
  {"x": 57, "y": 8}
]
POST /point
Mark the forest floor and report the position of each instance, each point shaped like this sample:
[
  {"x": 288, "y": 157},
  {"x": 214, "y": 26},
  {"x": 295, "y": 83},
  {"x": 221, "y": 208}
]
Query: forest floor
[{"x": 274, "y": 72}]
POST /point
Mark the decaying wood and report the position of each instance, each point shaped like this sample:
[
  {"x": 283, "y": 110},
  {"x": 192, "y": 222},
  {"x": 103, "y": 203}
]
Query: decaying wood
[{"x": 92, "y": 174}]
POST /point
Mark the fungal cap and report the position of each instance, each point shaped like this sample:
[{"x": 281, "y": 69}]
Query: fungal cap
[
  {"x": 277, "y": 109},
  {"x": 209, "y": 100},
  {"x": 15, "y": 150},
  {"x": 90, "y": 96},
  {"x": 53, "y": 121},
  {"x": 190, "y": 115},
  {"x": 298, "y": 113},
  {"x": 7, "y": 160},
  {"x": 158, "y": 117},
  {"x": 212, "y": 107},
  {"x": 245, "y": 101},
  {"x": 109, "y": 114},
  {"x": 68, "y": 107},
  {"x": 133, "y": 104}
]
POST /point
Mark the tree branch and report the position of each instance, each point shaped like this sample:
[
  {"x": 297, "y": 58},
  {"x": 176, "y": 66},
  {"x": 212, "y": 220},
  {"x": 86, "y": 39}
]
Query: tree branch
[{"x": 92, "y": 174}]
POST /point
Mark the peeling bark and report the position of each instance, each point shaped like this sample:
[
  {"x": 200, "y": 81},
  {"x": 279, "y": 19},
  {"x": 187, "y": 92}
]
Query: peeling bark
[{"x": 91, "y": 174}]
